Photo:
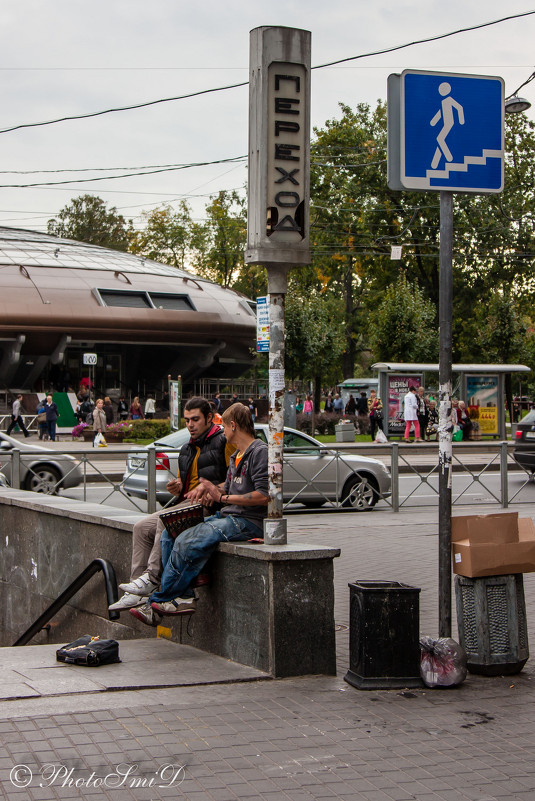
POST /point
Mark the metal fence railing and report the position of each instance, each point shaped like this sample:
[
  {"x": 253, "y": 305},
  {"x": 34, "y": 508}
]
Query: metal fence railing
[{"x": 333, "y": 476}]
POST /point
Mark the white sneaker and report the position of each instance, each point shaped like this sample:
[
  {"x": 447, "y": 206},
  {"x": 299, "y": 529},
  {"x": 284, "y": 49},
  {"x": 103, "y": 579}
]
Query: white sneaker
[
  {"x": 179, "y": 606},
  {"x": 140, "y": 586},
  {"x": 128, "y": 601}
]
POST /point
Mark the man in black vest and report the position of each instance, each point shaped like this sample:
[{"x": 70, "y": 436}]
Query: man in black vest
[{"x": 202, "y": 457}]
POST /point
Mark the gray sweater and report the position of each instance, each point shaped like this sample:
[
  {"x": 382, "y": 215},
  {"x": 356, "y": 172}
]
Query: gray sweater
[{"x": 250, "y": 475}]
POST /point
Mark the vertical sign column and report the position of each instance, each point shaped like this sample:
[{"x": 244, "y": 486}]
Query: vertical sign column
[{"x": 278, "y": 203}]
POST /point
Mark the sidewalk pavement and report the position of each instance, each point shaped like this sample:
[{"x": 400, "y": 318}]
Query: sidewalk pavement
[{"x": 237, "y": 736}]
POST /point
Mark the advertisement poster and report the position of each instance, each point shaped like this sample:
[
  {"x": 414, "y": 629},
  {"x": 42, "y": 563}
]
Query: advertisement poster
[
  {"x": 175, "y": 394},
  {"x": 398, "y": 386},
  {"x": 262, "y": 324},
  {"x": 482, "y": 402}
]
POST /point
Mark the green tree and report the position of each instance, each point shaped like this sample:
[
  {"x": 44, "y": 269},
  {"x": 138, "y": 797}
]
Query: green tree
[
  {"x": 502, "y": 337},
  {"x": 166, "y": 237},
  {"x": 314, "y": 337},
  {"x": 87, "y": 219},
  {"x": 218, "y": 244},
  {"x": 403, "y": 327}
]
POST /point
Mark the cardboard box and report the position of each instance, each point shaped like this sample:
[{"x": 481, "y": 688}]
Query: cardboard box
[{"x": 492, "y": 545}]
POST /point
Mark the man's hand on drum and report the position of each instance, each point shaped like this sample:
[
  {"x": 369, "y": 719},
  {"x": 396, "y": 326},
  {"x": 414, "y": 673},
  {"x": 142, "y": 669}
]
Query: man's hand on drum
[{"x": 198, "y": 495}]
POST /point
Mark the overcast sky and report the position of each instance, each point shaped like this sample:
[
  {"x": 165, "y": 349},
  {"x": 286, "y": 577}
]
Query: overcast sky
[{"x": 66, "y": 57}]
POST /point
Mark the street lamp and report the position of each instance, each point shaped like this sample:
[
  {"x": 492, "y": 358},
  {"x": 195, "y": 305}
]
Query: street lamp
[{"x": 515, "y": 104}]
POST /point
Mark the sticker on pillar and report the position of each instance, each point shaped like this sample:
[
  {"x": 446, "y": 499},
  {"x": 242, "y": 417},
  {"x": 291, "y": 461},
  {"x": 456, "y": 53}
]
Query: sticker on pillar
[{"x": 276, "y": 384}]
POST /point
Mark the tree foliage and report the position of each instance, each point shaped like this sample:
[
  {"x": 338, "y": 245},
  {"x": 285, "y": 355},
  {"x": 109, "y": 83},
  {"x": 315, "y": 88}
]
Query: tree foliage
[
  {"x": 314, "y": 337},
  {"x": 87, "y": 219},
  {"x": 403, "y": 327},
  {"x": 166, "y": 237}
]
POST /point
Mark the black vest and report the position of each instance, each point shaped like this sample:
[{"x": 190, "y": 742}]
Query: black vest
[{"x": 211, "y": 463}]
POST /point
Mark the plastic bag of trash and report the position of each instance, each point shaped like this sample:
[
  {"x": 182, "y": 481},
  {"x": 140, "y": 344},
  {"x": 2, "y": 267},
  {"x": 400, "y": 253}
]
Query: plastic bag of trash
[{"x": 442, "y": 662}]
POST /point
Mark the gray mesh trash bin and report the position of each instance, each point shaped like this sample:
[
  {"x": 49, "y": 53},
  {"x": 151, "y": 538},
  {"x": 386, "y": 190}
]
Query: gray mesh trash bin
[
  {"x": 384, "y": 644},
  {"x": 491, "y": 618}
]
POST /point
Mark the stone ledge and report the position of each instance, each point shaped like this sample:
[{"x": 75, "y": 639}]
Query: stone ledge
[{"x": 278, "y": 553}]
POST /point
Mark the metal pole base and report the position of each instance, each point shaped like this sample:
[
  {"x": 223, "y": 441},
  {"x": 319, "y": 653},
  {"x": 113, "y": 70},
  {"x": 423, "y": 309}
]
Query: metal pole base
[{"x": 275, "y": 531}]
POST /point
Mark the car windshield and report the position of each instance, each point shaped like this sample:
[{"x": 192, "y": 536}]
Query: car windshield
[
  {"x": 174, "y": 440},
  {"x": 529, "y": 419}
]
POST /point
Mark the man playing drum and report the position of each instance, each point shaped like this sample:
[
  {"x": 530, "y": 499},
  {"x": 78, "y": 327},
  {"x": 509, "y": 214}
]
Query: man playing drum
[
  {"x": 244, "y": 496},
  {"x": 202, "y": 457}
]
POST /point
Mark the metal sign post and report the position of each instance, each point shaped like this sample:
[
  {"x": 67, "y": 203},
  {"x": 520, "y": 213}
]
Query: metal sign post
[
  {"x": 445, "y": 134},
  {"x": 278, "y": 203},
  {"x": 445, "y": 452}
]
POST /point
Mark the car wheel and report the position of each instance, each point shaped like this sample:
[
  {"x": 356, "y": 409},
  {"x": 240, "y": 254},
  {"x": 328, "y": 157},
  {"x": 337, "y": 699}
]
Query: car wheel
[
  {"x": 42, "y": 479},
  {"x": 360, "y": 492}
]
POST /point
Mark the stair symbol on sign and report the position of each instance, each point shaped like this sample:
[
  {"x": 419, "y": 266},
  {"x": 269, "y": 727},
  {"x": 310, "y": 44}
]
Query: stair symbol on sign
[{"x": 463, "y": 166}]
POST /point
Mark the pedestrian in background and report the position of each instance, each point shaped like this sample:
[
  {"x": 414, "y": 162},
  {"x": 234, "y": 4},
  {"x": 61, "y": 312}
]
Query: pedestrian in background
[
  {"x": 16, "y": 417},
  {"x": 410, "y": 415},
  {"x": 150, "y": 407},
  {"x": 108, "y": 410},
  {"x": 135, "y": 412},
  {"x": 52, "y": 414},
  {"x": 375, "y": 413}
]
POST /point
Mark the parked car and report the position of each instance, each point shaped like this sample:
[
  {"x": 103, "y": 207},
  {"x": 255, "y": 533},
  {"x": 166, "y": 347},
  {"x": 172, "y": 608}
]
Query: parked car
[
  {"x": 524, "y": 452},
  {"x": 312, "y": 475},
  {"x": 44, "y": 470}
]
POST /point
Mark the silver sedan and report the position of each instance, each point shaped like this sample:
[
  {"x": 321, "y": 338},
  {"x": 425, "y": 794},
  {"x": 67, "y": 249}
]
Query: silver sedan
[
  {"x": 313, "y": 473},
  {"x": 41, "y": 469}
]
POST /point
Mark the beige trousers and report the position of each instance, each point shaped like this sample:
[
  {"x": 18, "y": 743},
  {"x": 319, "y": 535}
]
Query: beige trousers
[{"x": 146, "y": 552}]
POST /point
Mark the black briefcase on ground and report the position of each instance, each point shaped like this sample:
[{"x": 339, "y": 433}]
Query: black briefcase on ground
[{"x": 89, "y": 651}]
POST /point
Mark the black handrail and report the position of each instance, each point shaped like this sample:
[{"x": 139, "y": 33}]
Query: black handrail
[{"x": 110, "y": 582}]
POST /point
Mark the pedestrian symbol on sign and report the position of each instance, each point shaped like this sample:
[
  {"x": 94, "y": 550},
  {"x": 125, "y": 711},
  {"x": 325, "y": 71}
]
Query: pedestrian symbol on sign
[
  {"x": 446, "y": 114},
  {"x": 445, "y": 132}
]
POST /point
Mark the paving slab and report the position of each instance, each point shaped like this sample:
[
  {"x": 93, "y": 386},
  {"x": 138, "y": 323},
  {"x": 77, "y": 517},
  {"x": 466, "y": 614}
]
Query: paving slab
[{"x": 34, "y": 671}]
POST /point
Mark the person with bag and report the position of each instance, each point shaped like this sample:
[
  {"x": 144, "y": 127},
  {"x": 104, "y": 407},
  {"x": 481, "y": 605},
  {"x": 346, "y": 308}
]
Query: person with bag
[
  {"x": 375, "y": 413},
  {"x": 41, "y": 420},
  {"x": 99, "y": 424},
  {"x": 410, "y": 415},
  {"x": 423, "y": 411}
]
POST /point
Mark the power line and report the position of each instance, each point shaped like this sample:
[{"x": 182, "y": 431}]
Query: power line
[
  {"x": 424, "y": 41},
  {"x": 236, "y": 160},
  {"x": 245, "y": 83}
]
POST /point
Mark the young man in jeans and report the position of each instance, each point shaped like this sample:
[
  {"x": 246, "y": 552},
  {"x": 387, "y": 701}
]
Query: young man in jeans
[
  {"x": 244, "y": 496},
  {"x": 203, "y": 456}
]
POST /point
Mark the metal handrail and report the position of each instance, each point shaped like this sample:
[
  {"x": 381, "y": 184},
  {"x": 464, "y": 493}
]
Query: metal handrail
[{"x": 110, "y": 582}]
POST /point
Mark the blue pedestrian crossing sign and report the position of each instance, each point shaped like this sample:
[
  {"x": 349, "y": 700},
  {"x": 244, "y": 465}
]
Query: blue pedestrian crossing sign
[{"x": 445, "y": 132}]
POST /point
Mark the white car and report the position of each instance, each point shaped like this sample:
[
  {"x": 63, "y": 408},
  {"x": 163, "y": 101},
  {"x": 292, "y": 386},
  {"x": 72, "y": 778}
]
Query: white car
[
  {"x": 42, "y": 470},
  {"x": 313, "y": 474}
]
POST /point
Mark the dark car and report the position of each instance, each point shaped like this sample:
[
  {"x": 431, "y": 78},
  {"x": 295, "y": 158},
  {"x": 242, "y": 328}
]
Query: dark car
[{"x": 524, "y": 452}]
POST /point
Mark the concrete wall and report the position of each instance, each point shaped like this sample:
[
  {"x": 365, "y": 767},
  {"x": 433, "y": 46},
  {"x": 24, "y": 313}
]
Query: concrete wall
[{"x": 268, "y": 607}]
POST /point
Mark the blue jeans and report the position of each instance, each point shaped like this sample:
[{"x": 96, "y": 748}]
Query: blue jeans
[
  {"x": 185, "y": 557},
  {"x": 51, "y": 425}
]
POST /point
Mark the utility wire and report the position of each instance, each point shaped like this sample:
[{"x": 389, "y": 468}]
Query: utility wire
[
  {"x": 245, "y": 83},
  {"x": 125, "y": 175}
]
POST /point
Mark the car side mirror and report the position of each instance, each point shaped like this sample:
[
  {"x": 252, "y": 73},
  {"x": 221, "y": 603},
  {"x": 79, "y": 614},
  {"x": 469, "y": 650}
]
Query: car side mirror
[{"x": 5, "y": 446}]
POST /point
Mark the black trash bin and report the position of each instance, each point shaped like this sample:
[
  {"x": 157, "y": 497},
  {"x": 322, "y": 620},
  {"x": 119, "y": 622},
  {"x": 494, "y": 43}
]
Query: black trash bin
[
  {"x": 492, "y": 623},
  {"x": 384, "y": 633}
]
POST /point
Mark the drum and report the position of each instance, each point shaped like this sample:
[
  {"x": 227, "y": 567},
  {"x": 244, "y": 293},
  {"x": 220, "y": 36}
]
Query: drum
[{"x": 178, "y": 520}]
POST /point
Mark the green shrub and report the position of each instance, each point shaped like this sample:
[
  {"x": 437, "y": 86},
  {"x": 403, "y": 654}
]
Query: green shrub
[{"x": 149, "y": 429}]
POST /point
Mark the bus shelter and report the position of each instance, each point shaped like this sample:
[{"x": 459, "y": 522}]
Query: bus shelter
[
  {"x": 482, "y": 388},
  {"x": 354, "y": 386}
]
